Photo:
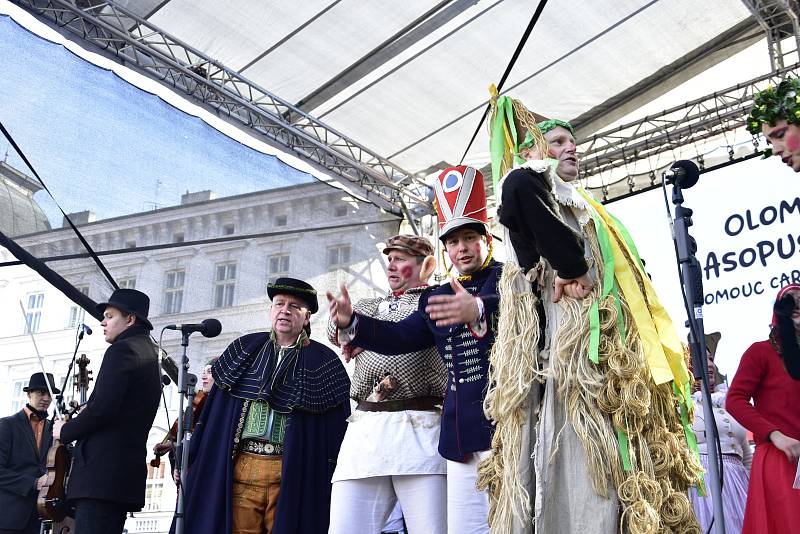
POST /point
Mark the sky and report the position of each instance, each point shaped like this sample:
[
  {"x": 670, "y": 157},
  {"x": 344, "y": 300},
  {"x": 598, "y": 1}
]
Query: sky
[{"x": 100, "y": 143}]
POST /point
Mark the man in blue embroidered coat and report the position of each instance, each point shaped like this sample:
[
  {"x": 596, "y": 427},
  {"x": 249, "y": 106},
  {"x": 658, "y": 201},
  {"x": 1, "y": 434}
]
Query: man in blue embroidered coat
[
  {"x": 457, "y": 319},
  {"x": 271, "y": 429}
]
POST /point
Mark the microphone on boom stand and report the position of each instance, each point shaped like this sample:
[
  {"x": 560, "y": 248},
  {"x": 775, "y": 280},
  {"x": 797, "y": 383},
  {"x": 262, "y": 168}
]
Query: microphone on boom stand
[
  {"x": 208, "y": 328},
  {"x": 186, "y": 383},
  {"x": 683, "y": 175}
]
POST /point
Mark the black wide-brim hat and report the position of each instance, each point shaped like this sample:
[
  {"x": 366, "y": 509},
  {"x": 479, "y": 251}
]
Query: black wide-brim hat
[
  {"x": 297, "y": 288},
  {"x": 129, "y": 301},
  {"x": 37, "y": 383}
]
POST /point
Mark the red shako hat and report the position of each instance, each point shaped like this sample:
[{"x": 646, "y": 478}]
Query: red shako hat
[{"x": 460, "y": 200}]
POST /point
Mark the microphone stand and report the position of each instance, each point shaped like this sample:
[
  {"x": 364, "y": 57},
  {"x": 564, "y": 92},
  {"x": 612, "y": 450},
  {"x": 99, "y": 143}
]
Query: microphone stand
[
  {"x": 186, "y": 385},
  {"x": 692, "y": 280}
]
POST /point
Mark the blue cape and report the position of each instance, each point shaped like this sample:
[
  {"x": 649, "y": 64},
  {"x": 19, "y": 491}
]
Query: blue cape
[{"x": 311, "y": 448}]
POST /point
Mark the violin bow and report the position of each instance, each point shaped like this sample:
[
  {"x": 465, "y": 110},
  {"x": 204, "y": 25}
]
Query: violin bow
[{"x": 41, "y": 361}]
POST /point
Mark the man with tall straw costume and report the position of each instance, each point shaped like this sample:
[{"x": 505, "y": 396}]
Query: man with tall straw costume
[
  {"x": 458, "y": 319},
  {"x": 776, "y": 114},
  {"x": 589, "y": 391}
]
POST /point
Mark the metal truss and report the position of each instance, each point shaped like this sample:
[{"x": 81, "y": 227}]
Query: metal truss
[
  {"x": 779, "y": 19},
  {"x": 700, "y": 119},
  {"x": 166, "y": 58}
]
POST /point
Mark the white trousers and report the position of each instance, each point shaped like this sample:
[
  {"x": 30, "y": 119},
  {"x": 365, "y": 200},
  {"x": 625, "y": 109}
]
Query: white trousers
[
  {"x": 467, "y": 508},
  {"x": 363, "y": 505}
]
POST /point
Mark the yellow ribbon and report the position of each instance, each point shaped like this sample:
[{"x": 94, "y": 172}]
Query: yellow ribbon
[{"x": 662, "y": 346}]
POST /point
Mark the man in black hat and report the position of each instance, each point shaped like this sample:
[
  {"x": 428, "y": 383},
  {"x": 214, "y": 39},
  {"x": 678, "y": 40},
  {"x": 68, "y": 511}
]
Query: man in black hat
[
  {"x": 109, "y": 461},
  {"x": 271, "y": 429},
  {"x": 25, "y": 438}
]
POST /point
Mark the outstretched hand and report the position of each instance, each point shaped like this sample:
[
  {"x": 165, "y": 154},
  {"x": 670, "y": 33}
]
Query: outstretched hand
[
  {"x": 577, "y": 288},
  {"x": 341, "y": 309},
  {"x": 458, "y": 308}
]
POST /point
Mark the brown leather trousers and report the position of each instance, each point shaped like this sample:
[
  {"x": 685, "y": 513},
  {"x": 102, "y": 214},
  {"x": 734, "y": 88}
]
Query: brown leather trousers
[{"x": 256, "y": 484}]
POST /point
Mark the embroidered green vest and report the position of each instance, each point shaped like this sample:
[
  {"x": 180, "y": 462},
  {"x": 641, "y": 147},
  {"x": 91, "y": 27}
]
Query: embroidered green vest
[
  {"x": 262, "y": 422},
  {"x": 265, "y": 424}
]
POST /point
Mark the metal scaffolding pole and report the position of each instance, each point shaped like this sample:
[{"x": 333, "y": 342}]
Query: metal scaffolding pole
[
  {"x": 142, "y": 45},
  {"x": 699, "y": 119}
]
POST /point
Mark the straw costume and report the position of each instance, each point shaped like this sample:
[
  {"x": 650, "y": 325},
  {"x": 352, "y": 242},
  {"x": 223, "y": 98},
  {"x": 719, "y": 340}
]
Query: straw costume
[{"x": 590, "y": 398}]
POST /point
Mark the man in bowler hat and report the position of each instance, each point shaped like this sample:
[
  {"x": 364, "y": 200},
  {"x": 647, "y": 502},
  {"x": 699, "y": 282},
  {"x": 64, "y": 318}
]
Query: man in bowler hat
[
  {"x": 109, "y": 461},
  {"x": 25, "y": 438}
]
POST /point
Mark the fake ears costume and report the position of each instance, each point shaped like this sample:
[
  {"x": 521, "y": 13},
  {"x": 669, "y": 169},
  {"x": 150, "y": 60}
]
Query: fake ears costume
[{"x": 615, "y": 361}]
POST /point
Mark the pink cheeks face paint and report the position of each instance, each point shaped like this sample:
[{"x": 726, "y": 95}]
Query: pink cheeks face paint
[
  {"x": 785, "y": 140},
  {"x": 403, "y": 271}
]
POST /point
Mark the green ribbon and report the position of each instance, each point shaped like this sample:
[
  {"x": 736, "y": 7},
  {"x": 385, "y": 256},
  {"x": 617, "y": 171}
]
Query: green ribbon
[
  {"x": 609, "y": 288},
  {"x": 497, "y": 146},
  {"x": 691, "y": 438},
  {"x": 624, "y": 452},
  {"x": 628, "y": 240},
  {"x": 549, "y": 124}
]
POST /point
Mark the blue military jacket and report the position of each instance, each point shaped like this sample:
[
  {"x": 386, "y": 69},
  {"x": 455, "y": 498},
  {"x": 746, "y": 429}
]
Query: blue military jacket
[{"x": 465, "y": 429}]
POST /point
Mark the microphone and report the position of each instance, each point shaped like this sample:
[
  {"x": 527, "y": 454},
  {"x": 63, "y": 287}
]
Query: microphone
[
  {"x": 86, "y": 329},
  {"x": 170, "y": 368},
  {"x": 209, "y": 328},
  {"x": 683, "y": 173}
]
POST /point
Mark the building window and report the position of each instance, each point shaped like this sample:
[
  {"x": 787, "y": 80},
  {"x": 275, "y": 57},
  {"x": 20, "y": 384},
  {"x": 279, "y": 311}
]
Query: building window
[
  {"x": 340, "y": 211},
  {"x": 130, "y": 244},
  {"x": 228, "y": 229},
  {"x": 76, "y": 313},
  {"x": 280, "y": 220},
  {"x": 154, "y": 491},
  {"x": 34, "y": 315},
  {"x": 224, "y": 284},
  {"x": 128, "y": 282},
  {"x": 339, "y": 256},
  {"x": 277, "y": 265},
  {"x": 173, "y": 291},
  {"x": 76, "y": 316},
  {"x": 178, "y": 237},
  {"x": 19, "y": 397},
  {"x": 146, "y": 525}
]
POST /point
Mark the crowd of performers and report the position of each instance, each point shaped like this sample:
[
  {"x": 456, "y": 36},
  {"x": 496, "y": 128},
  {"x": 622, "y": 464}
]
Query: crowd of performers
[{"x": 548, "y": 394}]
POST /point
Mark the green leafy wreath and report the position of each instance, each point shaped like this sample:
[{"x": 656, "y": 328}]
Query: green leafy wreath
[{"x": 775, "y": 103}]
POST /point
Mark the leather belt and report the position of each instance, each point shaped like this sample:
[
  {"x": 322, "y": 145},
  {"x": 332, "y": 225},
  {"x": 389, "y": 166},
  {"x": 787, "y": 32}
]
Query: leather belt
[
  {"x": 262, "y": 447},
  {"x": 417, "y": 403}
]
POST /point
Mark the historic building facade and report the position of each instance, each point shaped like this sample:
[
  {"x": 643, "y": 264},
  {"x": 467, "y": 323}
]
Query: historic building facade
[{"x": 204, "y": 258}]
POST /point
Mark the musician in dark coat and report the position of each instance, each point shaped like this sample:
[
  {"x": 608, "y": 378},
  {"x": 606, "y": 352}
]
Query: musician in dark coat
[
  {"x": 25, "y": 438},
  {"x": 109, "y": 462}
]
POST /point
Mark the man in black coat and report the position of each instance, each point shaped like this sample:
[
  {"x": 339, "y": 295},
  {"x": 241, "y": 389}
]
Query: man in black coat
[
  {"x": 109, "y": 466},
  {"x": 25, "y": 438}
]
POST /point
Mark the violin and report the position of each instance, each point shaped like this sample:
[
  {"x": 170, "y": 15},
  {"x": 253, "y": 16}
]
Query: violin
[
  {"x": 52, "y": 502},
  {"x": 172, "y": 435}
]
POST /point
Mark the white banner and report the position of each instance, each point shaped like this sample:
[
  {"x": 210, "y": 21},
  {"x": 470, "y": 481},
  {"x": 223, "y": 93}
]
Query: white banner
[{"x": 747, "y": 227}]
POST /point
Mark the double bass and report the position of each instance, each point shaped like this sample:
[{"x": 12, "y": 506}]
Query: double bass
[{"x": 52, "y": 502}]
